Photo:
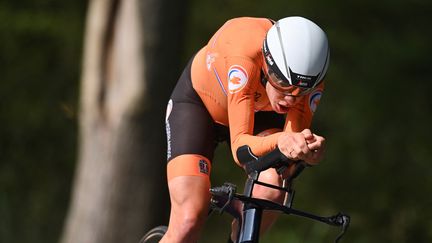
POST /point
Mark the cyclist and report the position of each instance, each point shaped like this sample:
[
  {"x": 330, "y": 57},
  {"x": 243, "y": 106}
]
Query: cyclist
[{"x": 257, "y": 82}]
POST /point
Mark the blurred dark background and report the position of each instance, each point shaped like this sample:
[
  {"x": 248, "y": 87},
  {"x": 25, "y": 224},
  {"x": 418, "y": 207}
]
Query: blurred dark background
[{"x": 376, "y": 115}]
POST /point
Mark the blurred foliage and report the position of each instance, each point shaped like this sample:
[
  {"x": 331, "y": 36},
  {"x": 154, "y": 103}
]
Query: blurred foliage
[
  {"x": 375, "y": 114},
  {"x": 40, "y": 52}
]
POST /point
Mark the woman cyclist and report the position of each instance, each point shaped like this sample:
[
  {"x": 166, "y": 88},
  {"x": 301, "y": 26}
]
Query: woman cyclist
[{"x": 257, "y": 82}]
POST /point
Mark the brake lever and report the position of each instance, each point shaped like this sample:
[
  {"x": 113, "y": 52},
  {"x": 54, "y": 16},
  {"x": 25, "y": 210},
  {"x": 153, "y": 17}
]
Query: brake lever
[
  {"x": 226, "y": 189},
  {"x": 344, "y": 221}
]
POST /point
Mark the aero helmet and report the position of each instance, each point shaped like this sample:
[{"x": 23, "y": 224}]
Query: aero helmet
[{"x": 296, "y": 52}]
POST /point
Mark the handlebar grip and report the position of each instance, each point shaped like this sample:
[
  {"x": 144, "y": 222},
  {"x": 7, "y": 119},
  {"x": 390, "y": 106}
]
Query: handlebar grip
[{"x": 252, "y": 163}]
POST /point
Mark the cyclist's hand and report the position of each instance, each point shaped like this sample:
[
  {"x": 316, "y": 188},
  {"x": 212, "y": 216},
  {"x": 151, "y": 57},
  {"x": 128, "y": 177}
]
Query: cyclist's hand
[
  {"x": 316, "y": 145},
  {"x": 304, "y": 146},
  {"x": 294, "y": 145}
]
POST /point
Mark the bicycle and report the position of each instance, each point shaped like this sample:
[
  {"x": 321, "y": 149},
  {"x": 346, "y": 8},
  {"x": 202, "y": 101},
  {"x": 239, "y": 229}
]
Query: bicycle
[{"x": 247, "y": 209}]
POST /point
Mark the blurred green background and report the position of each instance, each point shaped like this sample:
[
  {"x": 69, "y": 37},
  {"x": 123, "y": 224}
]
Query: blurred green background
[{"x": 376, "y": 115}]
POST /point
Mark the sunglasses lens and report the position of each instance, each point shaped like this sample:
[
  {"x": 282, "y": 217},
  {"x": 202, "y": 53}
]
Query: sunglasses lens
[{"x": 284, "y": 88}]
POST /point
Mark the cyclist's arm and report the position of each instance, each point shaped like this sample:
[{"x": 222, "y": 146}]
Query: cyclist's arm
[
  {"x": 241, "y": 111},
  {"x": 304, "y": 144},
  {"x": 241, "y": 114}
]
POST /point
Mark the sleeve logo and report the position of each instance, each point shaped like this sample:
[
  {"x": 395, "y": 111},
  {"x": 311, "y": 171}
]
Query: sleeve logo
[
  {"x": 237, "y": 78},
  {"x": 314, "y": 100},
  {"x": 210, "y": 59},
  {"x": 203, "y": 167}
]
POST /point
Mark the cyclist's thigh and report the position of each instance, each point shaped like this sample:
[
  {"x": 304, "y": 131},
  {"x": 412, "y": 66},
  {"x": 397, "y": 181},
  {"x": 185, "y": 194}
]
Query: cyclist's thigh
[
  {"x": 189, "y": 195},
  {"x": 191, "y": 140},
  {"x": 190, "y": 134},
  {"x": 189, "y": 126},
  {"x": 191, "y": 143},
  {"x": 190, "y": 130}
]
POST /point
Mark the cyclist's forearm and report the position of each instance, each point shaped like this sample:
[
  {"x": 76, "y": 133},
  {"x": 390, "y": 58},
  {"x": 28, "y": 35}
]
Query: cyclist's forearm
[{"x": 259, "y": 145}]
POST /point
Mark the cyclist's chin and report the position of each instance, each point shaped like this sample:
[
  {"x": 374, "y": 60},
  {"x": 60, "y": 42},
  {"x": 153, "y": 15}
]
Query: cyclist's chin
[{"x": 281, "y": 109}]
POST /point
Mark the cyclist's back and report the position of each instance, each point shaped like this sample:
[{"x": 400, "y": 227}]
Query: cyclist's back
[{"x": 238, "y": 42}]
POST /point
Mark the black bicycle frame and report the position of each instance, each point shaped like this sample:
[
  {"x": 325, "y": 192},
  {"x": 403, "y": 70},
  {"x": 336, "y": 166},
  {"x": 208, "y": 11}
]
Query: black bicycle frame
[
  {"x": 252, "y": 211},
  {"x": 252, "y": 214},
  {"x": 252, "y": 208}
]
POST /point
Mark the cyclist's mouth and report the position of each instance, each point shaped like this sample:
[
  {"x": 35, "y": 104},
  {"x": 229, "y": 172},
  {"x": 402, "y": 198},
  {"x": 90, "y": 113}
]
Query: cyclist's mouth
[{"x": 282, "y": 108}]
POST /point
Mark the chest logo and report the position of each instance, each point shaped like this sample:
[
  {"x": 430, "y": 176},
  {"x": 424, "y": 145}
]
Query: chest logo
[{"x": 237, "y": 78}]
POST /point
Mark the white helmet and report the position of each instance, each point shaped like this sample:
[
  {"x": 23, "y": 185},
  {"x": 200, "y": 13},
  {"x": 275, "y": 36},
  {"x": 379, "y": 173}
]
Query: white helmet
[{"x": 297, "y": 53}]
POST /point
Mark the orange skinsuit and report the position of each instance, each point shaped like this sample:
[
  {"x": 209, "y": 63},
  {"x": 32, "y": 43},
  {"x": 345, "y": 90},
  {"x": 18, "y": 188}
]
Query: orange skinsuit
[{"x": 226, "y": 74}]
